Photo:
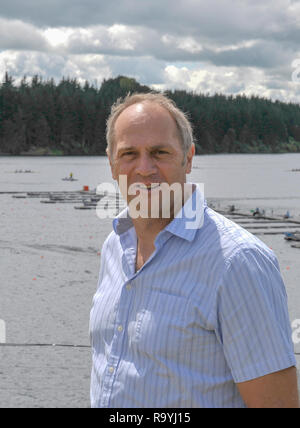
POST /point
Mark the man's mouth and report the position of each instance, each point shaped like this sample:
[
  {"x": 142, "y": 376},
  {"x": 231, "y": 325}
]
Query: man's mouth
[{"x": 149, "y": 187}]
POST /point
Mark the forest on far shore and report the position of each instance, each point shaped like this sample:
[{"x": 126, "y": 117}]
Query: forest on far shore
[{"x": 41, "y": 117}]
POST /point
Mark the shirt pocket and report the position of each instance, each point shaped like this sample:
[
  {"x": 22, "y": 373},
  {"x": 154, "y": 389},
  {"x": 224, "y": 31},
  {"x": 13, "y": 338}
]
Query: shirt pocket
[{"x": 162, "y": 325}]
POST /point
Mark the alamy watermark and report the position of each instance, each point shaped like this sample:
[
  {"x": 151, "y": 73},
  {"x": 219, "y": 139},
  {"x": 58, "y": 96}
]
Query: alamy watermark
[
  {"x": 154, "y": 200},
  {"x": 296, "y": 331},
  {"x": 296, "y": 73},
  {"x": 2, "y": 331}
]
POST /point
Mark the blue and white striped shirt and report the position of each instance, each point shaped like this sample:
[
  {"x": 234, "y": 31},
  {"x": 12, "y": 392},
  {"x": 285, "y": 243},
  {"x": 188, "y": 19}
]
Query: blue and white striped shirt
[{"x": 206, "y": 311}]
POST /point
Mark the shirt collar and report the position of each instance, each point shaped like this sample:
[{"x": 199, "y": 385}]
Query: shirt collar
[{"x": 188, "y": 220}]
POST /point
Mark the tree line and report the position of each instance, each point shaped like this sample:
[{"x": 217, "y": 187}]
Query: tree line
[{"x": 68, "y": 118}]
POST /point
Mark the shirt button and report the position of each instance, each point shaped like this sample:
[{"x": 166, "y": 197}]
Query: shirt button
[
  {"x": 120, "y": 328},
  {"x": 128, "y": 287},
  {"x": 111, "y": 369}
]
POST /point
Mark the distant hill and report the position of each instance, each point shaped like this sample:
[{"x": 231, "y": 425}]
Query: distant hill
[{"x": 44, "y": 118}]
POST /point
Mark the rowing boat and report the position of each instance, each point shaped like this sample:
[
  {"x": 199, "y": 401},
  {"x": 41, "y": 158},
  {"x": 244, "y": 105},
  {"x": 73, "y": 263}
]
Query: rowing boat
[{"x": 292, "y": 236}]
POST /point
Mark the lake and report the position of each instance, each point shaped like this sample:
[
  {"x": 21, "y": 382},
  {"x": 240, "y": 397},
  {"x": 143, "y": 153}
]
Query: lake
[{"x": 49, "y": 261}]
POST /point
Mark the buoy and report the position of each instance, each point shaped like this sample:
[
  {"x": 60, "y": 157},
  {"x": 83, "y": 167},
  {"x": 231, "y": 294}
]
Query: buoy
[{"x": 86, "y": 188}]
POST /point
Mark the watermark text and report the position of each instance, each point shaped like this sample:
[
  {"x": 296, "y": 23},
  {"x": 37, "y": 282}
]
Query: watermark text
[
  {"x": 296, "y": 331},
  {"x": 296, "y": 73},
  {"x": 2, "y": 332},
  {"x": 154, "y": 200}
]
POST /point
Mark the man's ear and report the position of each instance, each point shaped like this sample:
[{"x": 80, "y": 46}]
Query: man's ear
[{"x": 189, "y": 158}]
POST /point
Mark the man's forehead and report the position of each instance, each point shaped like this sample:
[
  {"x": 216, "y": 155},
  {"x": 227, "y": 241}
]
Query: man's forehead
[
  {"x": 143, "y": 111},
  {"x": 139, "y": 107},
  {"x": 148, "y": 123}
]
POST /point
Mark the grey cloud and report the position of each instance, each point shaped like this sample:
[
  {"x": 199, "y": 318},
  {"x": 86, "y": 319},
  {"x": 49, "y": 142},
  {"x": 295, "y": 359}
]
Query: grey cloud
[
  {"x": 261, "y": 54},
  {"x": 220, "y": 20},
  {"x": 144, "y": 69},
  {"x": 71, "y": 13},
  {"x": 20, "y": 36},
  {"x": 212, "y": 24},
  {"x": 223, "y": 29},
  {"x": 145, "y": 42}
]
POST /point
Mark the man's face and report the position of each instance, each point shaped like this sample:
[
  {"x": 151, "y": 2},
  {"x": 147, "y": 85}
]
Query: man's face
[{"x": 147, "y": 148}]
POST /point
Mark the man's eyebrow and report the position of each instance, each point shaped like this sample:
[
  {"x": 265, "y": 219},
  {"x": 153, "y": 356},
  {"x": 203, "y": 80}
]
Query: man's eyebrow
[
  {"x": 160, "y": 146},
  {"x": 124, "y": 149},
  {"x": 156, "y": 147}
]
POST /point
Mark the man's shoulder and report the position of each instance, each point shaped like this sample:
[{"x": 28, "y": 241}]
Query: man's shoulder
[
  {"x": 246, "y": 263},
  {"x": 231, "y": 239},
  {"x": 110, "y": 241}
]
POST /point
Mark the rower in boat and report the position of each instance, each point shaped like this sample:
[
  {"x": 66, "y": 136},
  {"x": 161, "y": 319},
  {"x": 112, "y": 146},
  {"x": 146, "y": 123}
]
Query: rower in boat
[
  {"x": 292, "y": 236},
  {"x": 70, "y": 178},
  {"x": 257, "y": 213}
]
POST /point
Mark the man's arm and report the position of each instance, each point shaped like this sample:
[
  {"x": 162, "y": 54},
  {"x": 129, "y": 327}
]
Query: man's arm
[{"x": 275, "y": 390}]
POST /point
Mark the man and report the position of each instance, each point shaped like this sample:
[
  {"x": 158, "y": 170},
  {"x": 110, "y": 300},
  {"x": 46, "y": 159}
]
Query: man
[{"x": 183, "y": 316}]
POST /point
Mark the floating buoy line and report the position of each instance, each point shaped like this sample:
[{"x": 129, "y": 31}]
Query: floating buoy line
[
  {"x": 52, "y": 345},
  {"x": 88, "y": 199}
]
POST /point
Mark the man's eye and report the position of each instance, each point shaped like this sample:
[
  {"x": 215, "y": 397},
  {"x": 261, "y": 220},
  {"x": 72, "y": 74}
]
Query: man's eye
[
  {"x": 128, "y": 153},
  {"x": 162, "y": 152}
]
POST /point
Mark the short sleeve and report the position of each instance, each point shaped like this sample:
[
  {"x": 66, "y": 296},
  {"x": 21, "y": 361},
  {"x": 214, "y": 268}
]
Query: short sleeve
[{"x": 253, "y": 324}]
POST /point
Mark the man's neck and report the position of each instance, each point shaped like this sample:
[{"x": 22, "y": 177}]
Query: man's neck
[{"x": 147, "y": 229}]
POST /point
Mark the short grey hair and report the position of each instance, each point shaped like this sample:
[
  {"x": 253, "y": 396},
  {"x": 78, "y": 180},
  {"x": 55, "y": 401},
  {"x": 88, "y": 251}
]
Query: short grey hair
[{"x": 183, "y": 124}]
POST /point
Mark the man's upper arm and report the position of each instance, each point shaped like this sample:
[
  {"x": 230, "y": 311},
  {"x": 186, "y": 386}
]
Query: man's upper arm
[
  {"x": 253, "y": 322},
  {"x": 275, "y": 390}
]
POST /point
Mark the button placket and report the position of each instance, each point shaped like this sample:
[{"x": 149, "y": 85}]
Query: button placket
[
  {"x": 119, "y": 338},
  {"x": 117, "y": 345}
]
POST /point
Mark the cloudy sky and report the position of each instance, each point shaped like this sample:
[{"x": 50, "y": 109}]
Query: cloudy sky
[{"x": 208, "y": 46}]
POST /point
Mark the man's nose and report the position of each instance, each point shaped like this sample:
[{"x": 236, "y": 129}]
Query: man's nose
[{"x": 145, "y": 165}]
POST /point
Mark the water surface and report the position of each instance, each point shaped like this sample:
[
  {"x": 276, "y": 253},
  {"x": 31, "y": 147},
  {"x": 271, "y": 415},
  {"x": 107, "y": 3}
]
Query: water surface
[{"x": 49, "y": 261}]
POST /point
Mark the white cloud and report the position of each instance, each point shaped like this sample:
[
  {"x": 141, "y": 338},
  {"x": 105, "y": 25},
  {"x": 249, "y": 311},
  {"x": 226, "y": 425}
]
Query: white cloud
[
  {"x": 188, "y": 44},
  {"x": 93, "y": 68},
  {"x": 57, "y": 36},
  {"x": 229, "y": 80},
  {"x": 123, "y": 36}
]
